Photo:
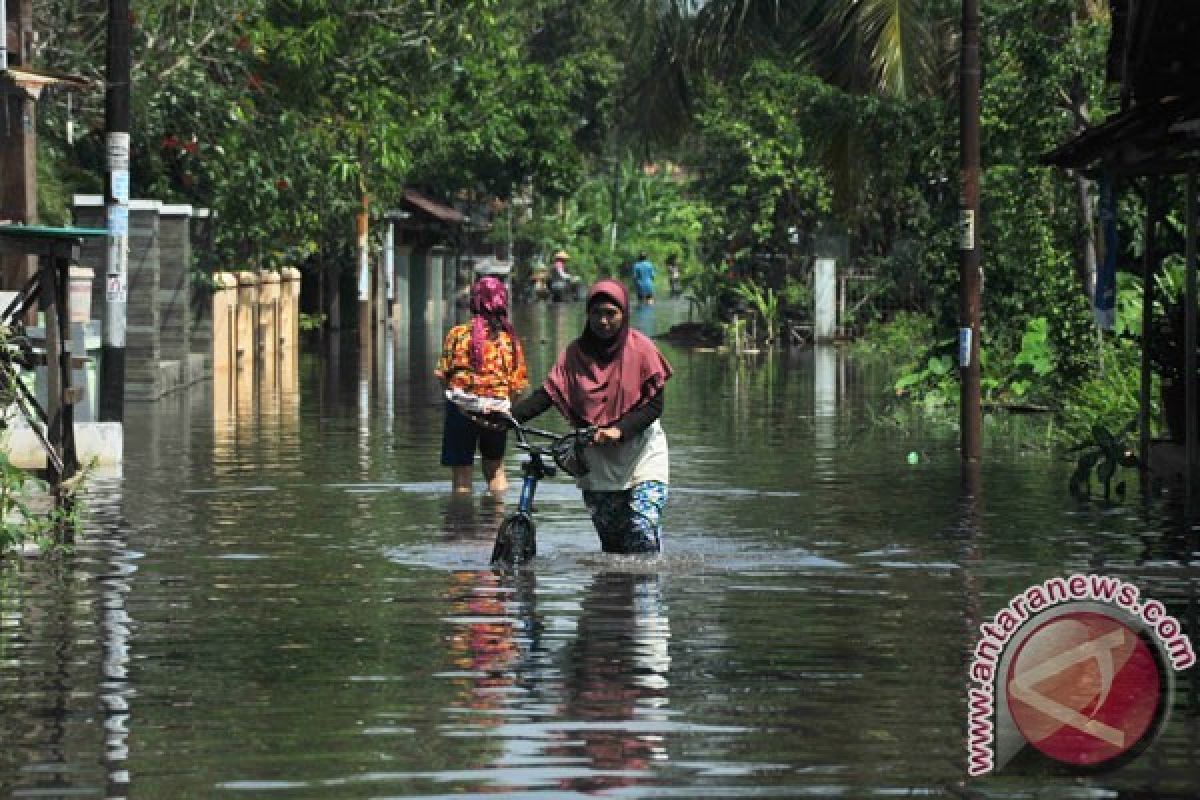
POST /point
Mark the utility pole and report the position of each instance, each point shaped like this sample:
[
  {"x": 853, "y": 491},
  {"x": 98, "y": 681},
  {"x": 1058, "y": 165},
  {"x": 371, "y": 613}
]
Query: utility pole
[
  {"x": 971, "y": 419},
  {"x": 116, "y": 208}
]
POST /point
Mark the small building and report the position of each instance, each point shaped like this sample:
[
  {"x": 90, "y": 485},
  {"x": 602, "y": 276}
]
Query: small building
[
  {"x": 425, "y": 239},
  {"x": 1155, "y": 136}
]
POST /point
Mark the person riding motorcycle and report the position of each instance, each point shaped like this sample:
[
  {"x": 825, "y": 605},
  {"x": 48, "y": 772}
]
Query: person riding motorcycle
[{"x": 559, "y": 280}]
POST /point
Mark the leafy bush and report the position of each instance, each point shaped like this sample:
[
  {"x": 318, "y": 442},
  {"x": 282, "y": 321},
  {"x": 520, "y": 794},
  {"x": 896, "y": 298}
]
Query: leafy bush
[
  {"x": 20, "y": 522},
  {"x": 1033, "y": 363},
  {"x": 765, "y": 303},
  {"x": 1103, "y": 452}
]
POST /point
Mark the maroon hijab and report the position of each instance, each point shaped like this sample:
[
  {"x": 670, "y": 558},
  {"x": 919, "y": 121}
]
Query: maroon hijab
[{"x": 597, "y": 381}]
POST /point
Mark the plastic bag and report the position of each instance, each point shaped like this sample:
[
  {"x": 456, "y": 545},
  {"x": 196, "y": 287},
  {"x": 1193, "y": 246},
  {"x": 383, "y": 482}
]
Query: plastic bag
[{"x": 474, "y": 404}]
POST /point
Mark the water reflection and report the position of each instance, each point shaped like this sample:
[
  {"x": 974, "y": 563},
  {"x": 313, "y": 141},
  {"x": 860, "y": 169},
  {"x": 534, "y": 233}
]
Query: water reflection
[
  {"x": 643, "y": 318},
  {"x": 116, "y": 690},
  {"x": 617, "y": 686},
  {"x": 825, "y": 408},
  {"x": 255, "y": 413},
  {"x": 469, "y": 518},
  {"x": 312, "y": 615},
  {"x": 482, "y": 643},
  {"x": 585, "y": 711}
]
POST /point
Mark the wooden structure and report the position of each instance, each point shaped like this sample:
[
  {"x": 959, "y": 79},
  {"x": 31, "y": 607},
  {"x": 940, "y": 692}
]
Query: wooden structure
[
  {"x": 55, "y": 249},
  {"x": 1153, "y": 56},
  {"x": 21, "y": 85},
  {"x": 426, "y": 237}
]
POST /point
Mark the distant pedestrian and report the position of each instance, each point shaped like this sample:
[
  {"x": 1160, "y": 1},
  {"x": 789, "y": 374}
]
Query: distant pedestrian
[
  {"x": 643, "y": 280},
  {"x": 674, "y": 275}
]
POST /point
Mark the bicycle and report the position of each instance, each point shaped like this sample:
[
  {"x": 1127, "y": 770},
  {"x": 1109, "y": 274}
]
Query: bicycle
[{"x": 516, "y": 538}]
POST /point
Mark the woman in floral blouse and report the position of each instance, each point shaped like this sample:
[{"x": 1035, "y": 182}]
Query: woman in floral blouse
[{"x": 483, "y": 358}]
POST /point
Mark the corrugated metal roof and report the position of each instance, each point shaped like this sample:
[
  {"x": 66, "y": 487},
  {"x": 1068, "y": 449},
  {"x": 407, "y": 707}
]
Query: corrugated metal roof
[
  {"x": 1153, "y": 53},
  {"x": 433, "y": 208},
  {"x": 1160, "y": 136},
  {"x": 33, "y": 81}
]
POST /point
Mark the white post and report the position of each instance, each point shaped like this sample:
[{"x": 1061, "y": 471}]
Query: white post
[
  {"x": 389, "y": 266},
  {"x": 825, "y": 299},
  {"x": 825, "y": 394}
]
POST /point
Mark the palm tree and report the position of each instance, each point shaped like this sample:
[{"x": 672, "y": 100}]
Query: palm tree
[
  {"x": 895, "y": 48},
  {"x": 889, "y": 46}
]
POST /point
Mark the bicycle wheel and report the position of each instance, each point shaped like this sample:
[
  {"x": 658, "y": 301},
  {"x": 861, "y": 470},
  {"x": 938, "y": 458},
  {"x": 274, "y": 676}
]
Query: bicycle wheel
[{"x": 516, "y": 541}]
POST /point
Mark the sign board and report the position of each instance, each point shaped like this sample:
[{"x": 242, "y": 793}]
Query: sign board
[
  {"x": 116, "y": 145},
  {"x": 120, "y": 186},
  {"x": 966, "y": 229},
  {"x": 114, "y": 290},
  {"x": 118, "y": 220}
]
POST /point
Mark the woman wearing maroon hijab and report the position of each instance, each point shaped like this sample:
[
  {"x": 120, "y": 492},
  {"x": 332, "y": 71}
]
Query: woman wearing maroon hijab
[{"x": 613, "y": 377}]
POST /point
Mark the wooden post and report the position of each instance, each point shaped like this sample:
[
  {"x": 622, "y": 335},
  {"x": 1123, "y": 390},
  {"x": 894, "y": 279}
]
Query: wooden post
[
  {"x": 60, "y": 418},
  {"x": 62, "y": 319},
  {"x": 1189, "y": 342},
  {"x": 1148, "y": 265},
  {"x": 971, "y": 413}
]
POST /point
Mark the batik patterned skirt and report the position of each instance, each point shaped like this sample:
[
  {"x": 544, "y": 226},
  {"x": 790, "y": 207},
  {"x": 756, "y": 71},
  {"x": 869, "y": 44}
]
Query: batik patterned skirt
[{"x": 630, "y": 520}]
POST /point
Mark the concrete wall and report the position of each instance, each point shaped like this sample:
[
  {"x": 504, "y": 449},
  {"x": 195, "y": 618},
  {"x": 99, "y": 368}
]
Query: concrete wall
[
  {"x": 143, "y": 380},
  {"x": 224, "y": 323},
  {"x": 88, "y": 212},
  {"x": 168, "y": 333},
  {"x": 246, "y": 325},
  {"x": 175, "y": 284},
  {"x": 289, "y": 331},
  {"x": 143, "y": 351},
  {"x": 256, "y": 341},
  {"x": 201, "y": 322},
  {"x": 177, "y": 333},
  {"x": 267, "y": 330}
]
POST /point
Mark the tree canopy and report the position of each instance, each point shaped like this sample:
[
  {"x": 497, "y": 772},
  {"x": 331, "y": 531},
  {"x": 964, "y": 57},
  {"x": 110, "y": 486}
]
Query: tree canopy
[{"x": 787, "y": 121}]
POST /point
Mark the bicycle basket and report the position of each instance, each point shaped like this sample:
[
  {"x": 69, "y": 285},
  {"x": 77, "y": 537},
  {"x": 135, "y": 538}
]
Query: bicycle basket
[{"x": 568, "y": 454}]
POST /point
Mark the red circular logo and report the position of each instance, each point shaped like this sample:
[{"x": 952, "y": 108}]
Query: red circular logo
[{"x": 1084, "y": 688}]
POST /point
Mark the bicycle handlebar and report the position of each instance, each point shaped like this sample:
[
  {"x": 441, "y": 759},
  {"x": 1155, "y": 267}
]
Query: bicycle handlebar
[
  {"x": 565, "y": 449},
  {"x": 522, "y": 430}
]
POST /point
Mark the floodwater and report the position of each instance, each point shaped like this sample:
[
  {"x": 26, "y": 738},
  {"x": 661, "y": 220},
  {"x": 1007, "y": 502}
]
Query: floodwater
[{"x": 281, "y": 599}]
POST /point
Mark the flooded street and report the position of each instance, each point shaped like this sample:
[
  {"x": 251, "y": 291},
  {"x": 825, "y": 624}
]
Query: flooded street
[{"x": 286, "y": 602}]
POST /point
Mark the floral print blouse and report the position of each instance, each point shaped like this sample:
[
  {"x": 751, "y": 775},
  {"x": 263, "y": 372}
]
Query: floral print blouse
[{"x": 502, "y": 375}]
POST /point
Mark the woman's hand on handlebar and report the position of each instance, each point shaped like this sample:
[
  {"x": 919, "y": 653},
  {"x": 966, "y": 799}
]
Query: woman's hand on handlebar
[{"x": 610, "y": 435}]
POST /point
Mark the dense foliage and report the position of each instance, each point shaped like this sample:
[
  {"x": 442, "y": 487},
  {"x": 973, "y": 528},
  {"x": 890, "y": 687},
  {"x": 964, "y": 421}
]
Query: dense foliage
[{"x": 761, "y": 130}]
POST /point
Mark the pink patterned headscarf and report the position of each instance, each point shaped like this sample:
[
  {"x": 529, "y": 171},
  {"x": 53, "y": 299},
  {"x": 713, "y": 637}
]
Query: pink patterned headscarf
[{"x": 489, "y": 311}]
